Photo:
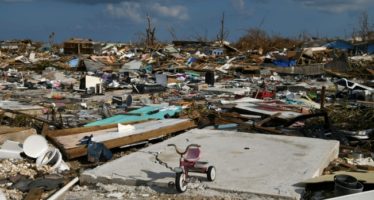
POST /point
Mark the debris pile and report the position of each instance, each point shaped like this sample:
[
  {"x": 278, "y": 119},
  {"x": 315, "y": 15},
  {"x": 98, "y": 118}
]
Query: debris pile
[{"x": 87, "y": 100}]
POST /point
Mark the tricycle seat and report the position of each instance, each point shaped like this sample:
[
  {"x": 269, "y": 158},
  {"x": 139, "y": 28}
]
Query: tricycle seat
[{"x": 193, "y": 155}]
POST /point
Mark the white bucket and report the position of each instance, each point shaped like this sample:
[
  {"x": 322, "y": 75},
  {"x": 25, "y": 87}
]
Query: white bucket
[
  {"x": 52, "y": 157},
  {"x": 36, "y": 146}
]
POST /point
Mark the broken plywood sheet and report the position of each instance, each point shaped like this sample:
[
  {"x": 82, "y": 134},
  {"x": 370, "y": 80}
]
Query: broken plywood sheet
[
  {"x": 15, "y": 133},
  {"x": 17, "y": 106},
  {"x": 221, "y": 90},
  {"x": 267, "y": 110}
]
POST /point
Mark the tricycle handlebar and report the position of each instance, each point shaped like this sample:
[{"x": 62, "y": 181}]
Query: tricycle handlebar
[{"x": 184, "y": 152}]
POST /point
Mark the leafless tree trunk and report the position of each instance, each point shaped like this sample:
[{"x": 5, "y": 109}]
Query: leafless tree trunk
[
  {"x": 364, "y": 28},
  {"x": 150, "y": 31},
  {"x": 51, "y": 40},
  {"x": 223, "y": 34}
]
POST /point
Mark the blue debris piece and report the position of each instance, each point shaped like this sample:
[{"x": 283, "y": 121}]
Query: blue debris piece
[
  {"x": 284, "y": 63},
  {"x": 339, "y": 44},
  {"x": 96, "y": 151}
]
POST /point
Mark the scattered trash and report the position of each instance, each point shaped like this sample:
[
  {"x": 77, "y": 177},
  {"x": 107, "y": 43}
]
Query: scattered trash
[{"x": 87, "y": 98}]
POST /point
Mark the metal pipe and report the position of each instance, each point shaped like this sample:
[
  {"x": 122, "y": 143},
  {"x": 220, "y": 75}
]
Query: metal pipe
[{"x": 58, "y": 194}]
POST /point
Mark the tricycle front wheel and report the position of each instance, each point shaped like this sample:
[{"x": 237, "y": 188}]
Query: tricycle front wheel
[
  {"x": 180, "y": 182},
  {"x": 211, "y": 173}
]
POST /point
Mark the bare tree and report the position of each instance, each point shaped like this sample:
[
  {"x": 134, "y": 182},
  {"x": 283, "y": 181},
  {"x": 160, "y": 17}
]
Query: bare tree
[
  {"x": 364, "y": 27},
  {"x": 51, "y": 39},
  {"x": 304, "y": 36},
  {"x": 150, "y": 32},
  {"x": 223, "y": 34},
  {"x": 256, "y": 39},
  {"x": 172, "y": 33}
]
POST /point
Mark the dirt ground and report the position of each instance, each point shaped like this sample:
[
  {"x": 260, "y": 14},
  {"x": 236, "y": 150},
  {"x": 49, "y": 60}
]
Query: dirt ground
[{"x": 115, "y": 191}]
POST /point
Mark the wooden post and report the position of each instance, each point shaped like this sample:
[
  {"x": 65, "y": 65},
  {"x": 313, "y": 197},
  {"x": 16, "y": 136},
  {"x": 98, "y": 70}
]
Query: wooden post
[{"x": 323, "y": 97}]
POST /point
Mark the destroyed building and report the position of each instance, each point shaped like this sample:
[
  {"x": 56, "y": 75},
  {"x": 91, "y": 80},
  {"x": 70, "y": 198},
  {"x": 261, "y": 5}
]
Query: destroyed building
[
  {"x": 100, "y": 113},
  {"x": 79, "y": 46}
]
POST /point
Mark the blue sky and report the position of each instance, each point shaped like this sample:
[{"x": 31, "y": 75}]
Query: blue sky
[{"x": 124, "y": 20}]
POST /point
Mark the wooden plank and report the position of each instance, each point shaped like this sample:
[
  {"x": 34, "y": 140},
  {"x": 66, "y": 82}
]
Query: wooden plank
[
  {"x": 18, "y": 136},
  {"x": 371, "y": 71},
  {"x": 8, "y": 129},
  {"x": 260, "y": 123},
  {"x": 72, "y": 141},
  {"x": 72, "y": 131},
  {"x": 269, "y": 129},
  {"x": 117, "y": 142}
]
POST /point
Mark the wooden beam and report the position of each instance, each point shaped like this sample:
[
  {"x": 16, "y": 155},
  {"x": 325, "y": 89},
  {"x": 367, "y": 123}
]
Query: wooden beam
[
  {"x": 16, "y": 135},
  {"x": 118, "y": 142},
  {"x": 72, "y": 131},
  {"x": 323, "y": 91},
  {"x": 260, "y": 123}
]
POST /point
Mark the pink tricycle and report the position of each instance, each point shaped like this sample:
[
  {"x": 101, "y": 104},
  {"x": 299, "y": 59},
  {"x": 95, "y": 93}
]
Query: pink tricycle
[{"x": 189, "y": 162}]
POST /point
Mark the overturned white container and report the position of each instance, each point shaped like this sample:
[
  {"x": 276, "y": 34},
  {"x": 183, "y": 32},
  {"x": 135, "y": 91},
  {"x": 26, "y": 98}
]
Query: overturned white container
[{"x": 36, "y": 146}]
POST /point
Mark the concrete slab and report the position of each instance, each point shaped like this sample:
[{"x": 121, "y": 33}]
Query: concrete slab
[
  {"x": 254, "y": 163},
  {"x": 11, "y": 149}
]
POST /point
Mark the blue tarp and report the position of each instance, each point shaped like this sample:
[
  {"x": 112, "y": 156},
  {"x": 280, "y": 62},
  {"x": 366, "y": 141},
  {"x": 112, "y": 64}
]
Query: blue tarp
[
  {"x": 74, "y": 62},
  {"x": 371, "y": 49},
  {"x": 339, "y": 44},
  {"x": 190, "y": 61},
  {"x": 45, "y": 47},
  {"x": 284, "y": 63}
]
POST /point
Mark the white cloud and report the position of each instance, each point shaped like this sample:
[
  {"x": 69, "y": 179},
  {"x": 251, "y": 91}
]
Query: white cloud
[
  {"x": 241, "y": 8},
  {"x": 136, "y": 11},
  {"x": 337, "y": 6},
  {"x": 177, "y": 11},
  {"x": 238, "y": 4},
  {"x": 130, "y": 10}
]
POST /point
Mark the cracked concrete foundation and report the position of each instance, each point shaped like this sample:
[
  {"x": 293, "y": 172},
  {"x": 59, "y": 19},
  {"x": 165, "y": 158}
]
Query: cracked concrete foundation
[{"x": 253, "y": 163}]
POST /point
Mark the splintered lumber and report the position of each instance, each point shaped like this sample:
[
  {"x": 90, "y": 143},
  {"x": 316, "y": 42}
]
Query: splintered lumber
[
  {"x": 24, "y": 113},
  {"x": 111, "y": 138}
]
